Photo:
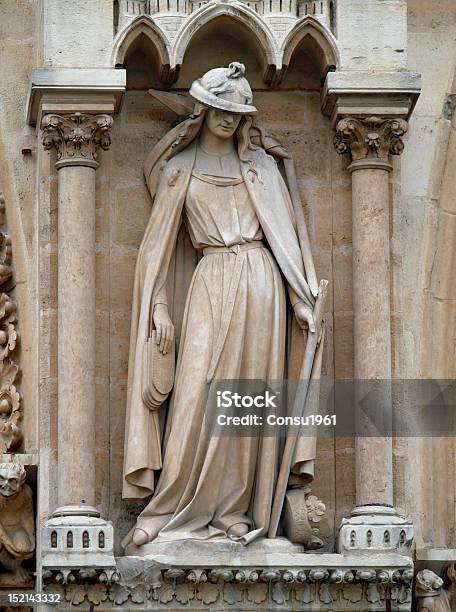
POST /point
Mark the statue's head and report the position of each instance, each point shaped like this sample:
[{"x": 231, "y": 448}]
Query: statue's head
[
  {"x": 12, "y": 478},
  {"x": 225, "y": 89},
  {"x": 227, "y": 95}
]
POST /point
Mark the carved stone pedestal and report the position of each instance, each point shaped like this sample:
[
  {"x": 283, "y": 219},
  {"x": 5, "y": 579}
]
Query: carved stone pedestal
[
  {"x": 78, "y": 546},
  {"x": 375, "y": 529}
]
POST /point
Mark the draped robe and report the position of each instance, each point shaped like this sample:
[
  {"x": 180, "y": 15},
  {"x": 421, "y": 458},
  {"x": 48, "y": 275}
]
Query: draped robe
[{"x": 163, "y": 251}]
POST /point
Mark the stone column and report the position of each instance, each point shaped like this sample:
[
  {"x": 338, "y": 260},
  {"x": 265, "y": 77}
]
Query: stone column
[
  {"x": 370, "y": 141},
  {"x": 77, "y": 139}
]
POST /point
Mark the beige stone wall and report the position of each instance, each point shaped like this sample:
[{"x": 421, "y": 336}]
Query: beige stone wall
[
  {"x": 372, "y": 34},
  {"x": 74, "y": 32},
  {"x": 423, "y": 256}
]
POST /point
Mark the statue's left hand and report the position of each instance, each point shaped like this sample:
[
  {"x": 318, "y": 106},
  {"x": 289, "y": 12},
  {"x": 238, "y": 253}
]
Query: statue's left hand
[{"x": 304, "y": 316}]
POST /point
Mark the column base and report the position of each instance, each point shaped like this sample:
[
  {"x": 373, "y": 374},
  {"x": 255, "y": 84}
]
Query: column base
[
  {"x": 375, "y": 528},
  {"x": 76, "y": 543}
]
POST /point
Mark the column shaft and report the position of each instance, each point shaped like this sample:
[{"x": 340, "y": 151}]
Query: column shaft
[
  {"x": 372, "y": 327},
  {"x": 77, "y": 138},
  {"x": 374, "y": 524},
  {"x": 76, "y": 345}
]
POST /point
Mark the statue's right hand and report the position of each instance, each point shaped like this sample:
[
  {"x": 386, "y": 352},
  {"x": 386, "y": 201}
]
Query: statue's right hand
[{"x": 163, "y": 326}]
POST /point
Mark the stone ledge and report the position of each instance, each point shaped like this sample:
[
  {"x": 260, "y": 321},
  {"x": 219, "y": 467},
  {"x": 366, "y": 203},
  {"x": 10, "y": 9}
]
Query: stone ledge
[
  {"x": 436, "y": 559},
  {"x": 24, "y": 459},
  {"x": 436, "y": 554},
  {"x": 349, "y": 93},
  {"x": 64, "y": 90},
  {"x": 283, "y": 581},
  {"x": 179, "y": 555}
]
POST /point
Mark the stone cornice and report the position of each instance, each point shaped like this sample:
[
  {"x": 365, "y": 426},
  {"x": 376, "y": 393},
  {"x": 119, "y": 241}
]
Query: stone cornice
[
  {"x": 302, "y": 582},
  {"x": 70, "y": 90},
  {"x": 76, "y": 137},
  {"x": 366, "y": 94}
]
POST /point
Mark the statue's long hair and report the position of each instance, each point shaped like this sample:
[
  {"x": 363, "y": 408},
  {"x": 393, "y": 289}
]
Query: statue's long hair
[{"x": 183, "y": 134}]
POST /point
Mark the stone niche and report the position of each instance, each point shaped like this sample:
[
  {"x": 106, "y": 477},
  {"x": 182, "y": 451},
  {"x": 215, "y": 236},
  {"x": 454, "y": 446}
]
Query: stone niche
[{"x": 292, "y": 112}]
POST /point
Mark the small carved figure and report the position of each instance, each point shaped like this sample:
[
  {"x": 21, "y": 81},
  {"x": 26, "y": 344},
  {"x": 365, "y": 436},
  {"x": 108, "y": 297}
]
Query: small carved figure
[
  {"x": 430, "y": 594},
  {"x": 17, "y": 525}
]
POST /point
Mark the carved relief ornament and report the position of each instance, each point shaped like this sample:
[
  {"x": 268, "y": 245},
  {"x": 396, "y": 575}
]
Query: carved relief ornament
[
  {"x": 347, "y": 589},
  {"x": 373, "y": 137},
  {"x": 77, "y": 138},
  {"x": 10, "y": 399}
]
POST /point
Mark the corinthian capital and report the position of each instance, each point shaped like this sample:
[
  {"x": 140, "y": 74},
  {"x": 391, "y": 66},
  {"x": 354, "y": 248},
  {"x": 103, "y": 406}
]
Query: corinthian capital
[
  {"x": 373, "y": 137},
  {"x": 77, "y": 137}
]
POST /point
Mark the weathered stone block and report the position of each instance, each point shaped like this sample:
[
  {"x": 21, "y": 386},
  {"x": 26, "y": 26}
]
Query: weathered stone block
[{"x": 131, "y": 214}]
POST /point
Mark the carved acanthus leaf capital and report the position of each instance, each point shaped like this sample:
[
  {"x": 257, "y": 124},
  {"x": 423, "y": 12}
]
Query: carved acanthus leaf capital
[
  {"x": 374, "y": 137},
  {"x": 77, "y": 137}
]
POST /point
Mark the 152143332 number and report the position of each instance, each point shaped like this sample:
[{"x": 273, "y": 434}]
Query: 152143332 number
[{"x": 34, "y": 598}]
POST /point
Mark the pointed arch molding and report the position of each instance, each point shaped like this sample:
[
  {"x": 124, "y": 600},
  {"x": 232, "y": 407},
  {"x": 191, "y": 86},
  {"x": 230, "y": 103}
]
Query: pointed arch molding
[
  {"x": 239, "y": 13},
  {"x": 276, "y": 57},
  {"x": 311, "y": 27},
  {"x": 144, "y": 25}
]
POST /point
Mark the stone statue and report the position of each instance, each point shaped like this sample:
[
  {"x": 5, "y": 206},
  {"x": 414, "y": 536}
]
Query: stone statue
[
  {"x": 224, "y": 271},
  {"x": 17, "y": 524}
]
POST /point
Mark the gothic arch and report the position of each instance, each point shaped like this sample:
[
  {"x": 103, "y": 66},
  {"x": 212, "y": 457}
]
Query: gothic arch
[
  {"x": 143, "y": 25},
  {"x": 241, "y": 14},
  {"x": 310, "y": 27}
]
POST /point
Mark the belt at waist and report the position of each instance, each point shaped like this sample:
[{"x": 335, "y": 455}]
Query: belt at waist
[
  {"x": 235, "y": 248},
  {"x": 228, "y": 305}
]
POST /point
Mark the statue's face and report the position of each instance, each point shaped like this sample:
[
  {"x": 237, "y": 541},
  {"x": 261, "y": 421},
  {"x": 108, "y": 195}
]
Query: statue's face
[
  {"x": 221, "y": 123},
  {"x": 12, "y": 478}
]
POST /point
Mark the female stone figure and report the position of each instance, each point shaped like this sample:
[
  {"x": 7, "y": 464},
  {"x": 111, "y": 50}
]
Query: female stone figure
[{"x": 217, "y": 196}]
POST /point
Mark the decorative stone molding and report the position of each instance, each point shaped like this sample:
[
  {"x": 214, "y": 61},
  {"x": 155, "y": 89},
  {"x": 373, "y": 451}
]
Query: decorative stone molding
[
  {"x": 76, "y": 137},
  {"x": 238, "y": 587},
  {"x": 10, "y": 399},
  {"x": 276, "y": 32},
  {"x": 372, "y": 137},
  {"x": 259, "y": 29},
  {"x": 323, "y": 10},
  {"x": 76, "y": 586},
  {"x": 17, "y": 526}
]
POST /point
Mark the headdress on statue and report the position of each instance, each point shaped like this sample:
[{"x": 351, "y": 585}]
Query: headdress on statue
[{"x": 226, "y": 89}]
